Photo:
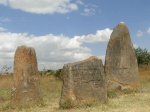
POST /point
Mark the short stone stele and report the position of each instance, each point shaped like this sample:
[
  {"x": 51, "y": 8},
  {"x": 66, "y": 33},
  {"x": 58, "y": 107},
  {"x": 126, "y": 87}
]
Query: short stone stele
[
  {"x": 26, "y": 85},
  {"x": 121, "y": 66},
  {"x": 83, "y": 82}
]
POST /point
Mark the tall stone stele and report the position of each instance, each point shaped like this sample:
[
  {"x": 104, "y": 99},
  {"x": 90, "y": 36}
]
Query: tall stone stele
[
  {"x": 26, "y": 85},
  {"x": 83, "y": 82},
  {"x": 121, "y": 66}
]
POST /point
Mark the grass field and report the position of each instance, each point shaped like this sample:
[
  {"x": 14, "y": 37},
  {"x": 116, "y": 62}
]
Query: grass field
[{"x": 51, "y": 90}]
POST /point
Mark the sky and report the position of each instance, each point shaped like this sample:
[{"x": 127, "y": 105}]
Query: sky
[{"x": 64, "y": 31}]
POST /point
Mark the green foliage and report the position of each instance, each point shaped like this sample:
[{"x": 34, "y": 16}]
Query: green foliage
[
  {"x": 112, "y": 94},
  {"x": 55, "y": 73},
  {"x": 143, "y": 56},
  {"x": 58, "y": 73},
  {"x": 67, "y": 105}
]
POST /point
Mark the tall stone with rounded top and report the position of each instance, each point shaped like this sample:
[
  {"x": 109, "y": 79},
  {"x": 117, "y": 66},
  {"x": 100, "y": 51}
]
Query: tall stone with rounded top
[
  {"x": 26, "y": 85},
  {"x": 121, "y": 66},
  {"x": 83, "y": 82}
]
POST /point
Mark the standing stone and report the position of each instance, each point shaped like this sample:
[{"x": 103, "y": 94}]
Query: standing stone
[
  {"x": 26, "y": 85},
  {"x": 83, "y": 82},
  {"x": 121, "y": 66}
]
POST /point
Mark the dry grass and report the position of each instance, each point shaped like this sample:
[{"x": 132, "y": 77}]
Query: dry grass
[
  {"x": 51, "y": 90},
  {"x": 5, "y": 86},
  {"x": 144, "y": 74}
]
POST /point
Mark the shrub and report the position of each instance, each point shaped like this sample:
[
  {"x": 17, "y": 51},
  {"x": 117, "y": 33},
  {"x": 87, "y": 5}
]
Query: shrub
[
  {"x": 49, "y": 72},
  {"x": 143, "y": 56},
  {"x": 112, "y": 94},
  {"x": 67, "y": 105},
  {"x": 58, "y": 73}
]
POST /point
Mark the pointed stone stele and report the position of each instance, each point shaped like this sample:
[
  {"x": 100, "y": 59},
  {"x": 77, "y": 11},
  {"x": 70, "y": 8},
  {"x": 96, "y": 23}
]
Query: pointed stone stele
[
  {"x": 121, "y": 66},
  {"x": 83, "y": 82},
  {"x": 26, "y": 85}
]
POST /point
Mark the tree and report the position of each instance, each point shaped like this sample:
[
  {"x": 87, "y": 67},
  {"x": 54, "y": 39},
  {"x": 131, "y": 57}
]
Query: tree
[{"x": 143, "y": 56}]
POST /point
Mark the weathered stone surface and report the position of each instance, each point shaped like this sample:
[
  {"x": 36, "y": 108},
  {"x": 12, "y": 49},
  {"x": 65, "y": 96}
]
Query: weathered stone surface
[
  {"x": 26, "y": 85},
  {"x": 83, "y": 81},
  {"x": 121, "y": 66}
]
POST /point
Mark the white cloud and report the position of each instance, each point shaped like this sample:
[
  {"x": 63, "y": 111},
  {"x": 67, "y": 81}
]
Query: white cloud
[
  {"x": 2, "y": 29},
  {"x": 139, "y": 33},
  {"x": 79, "y": 2},
  {"x": 100, "y": 36},
  {"x": 52, "y": 51},
  {"x": 148, "y": 31},
  {"x": 41, "y": 6},
  {"x": 89, "y": 10},
  {"x": 4, "y": 2},
  {"x": 135, "y": 46},
  {"x": 5, "y": 20}
]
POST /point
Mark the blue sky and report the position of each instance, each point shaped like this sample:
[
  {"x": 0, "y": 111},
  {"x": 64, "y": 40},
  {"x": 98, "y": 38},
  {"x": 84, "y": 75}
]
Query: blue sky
[{"x": 63, "y": 31}]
